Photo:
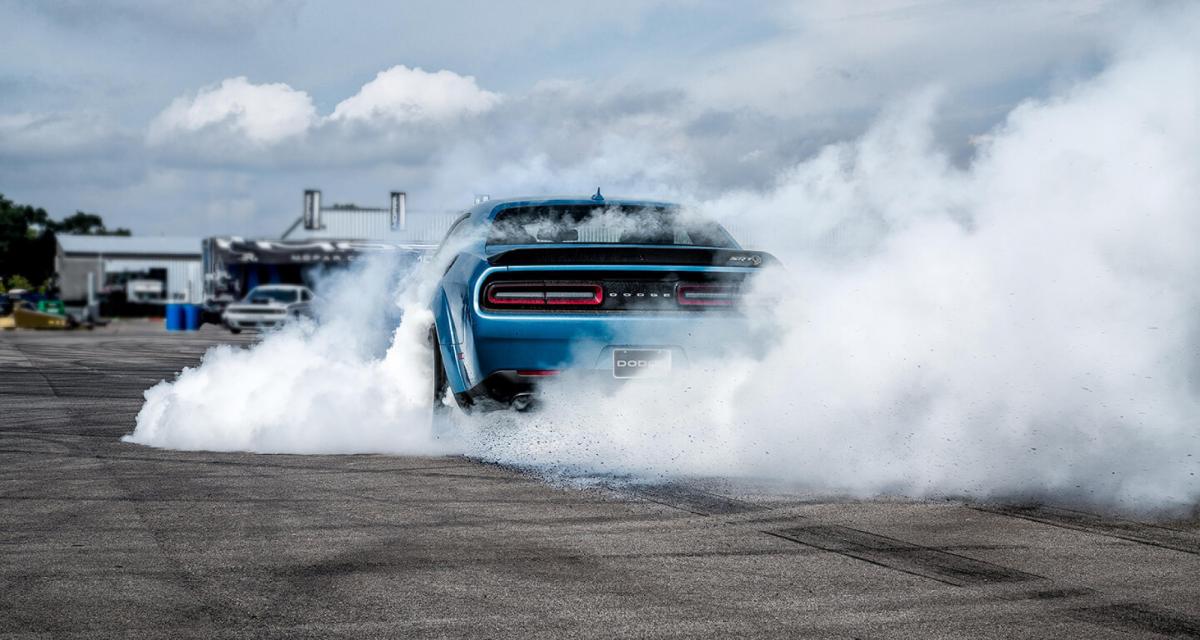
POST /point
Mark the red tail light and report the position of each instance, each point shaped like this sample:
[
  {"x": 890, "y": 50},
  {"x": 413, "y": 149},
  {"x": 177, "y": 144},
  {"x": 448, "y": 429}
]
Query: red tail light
[
  {"x": 500, "y": 294},
  {"x": 709, "y": 295},
  {"x": 541, "y": 293}
]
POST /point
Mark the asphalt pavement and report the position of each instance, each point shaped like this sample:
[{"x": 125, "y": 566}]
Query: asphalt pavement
[{"x": 99, "y": 538}]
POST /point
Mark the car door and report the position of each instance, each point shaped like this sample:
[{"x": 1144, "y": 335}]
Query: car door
[{"x": 304, "y": 306}]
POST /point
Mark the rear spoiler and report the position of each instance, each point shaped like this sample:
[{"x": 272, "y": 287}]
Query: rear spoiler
[{"x": 662, "y": 255}]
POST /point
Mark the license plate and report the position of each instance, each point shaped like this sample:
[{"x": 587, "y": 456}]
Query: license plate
[{"x": 641, "y": 363}]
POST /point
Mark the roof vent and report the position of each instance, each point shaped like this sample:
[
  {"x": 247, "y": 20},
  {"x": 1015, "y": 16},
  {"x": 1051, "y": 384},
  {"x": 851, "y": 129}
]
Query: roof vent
[
  {"x": 312, "y": 209},
  {"x": 398, "y": 210}
]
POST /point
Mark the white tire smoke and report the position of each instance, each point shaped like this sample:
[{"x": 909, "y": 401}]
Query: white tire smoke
[{"x": 1027, "y": 325}]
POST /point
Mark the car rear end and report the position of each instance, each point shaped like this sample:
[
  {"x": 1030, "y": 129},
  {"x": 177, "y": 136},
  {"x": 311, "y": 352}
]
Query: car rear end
[
  {"x": 266, "y": 307},
  {"x": 239, "y": 317},
  {"x": 607, "y": 313}
]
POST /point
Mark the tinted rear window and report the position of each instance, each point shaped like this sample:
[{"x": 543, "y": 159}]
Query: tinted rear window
[
  {"x": 605, "y": 225},
  {"x": 264, "y": 294}
]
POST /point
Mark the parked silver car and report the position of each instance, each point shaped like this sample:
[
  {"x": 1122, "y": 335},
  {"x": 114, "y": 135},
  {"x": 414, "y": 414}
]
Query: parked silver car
[{"x": 268, "y": 306}]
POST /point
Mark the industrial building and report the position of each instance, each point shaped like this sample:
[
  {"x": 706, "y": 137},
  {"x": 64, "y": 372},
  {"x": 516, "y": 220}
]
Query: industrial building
[
  {"x": 149, "y": 269},
  {"x": 213, "y": 271},
  {"x": 321, "y": 237},
  {"x": 394, "y": 223}
]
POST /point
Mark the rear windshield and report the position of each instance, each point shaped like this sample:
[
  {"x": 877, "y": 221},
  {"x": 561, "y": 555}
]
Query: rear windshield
[
  {"x": 605, "y": 225},
  {"x": 262, "y": 294}
]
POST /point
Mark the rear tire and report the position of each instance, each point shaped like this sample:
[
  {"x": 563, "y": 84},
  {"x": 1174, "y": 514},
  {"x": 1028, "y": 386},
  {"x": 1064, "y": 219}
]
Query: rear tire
[{"x": 440, "y": 382}]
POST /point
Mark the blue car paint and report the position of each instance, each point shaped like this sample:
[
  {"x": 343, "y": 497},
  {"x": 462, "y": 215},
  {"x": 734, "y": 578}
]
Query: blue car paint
[{"x": 475, "y": 342}]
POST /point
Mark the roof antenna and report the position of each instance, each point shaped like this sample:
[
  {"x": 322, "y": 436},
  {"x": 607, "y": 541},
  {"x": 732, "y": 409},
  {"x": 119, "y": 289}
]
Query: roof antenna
[{"x": 598, "y": 197}]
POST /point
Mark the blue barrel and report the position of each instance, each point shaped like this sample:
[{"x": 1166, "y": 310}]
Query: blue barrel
[
  {"x": 175, "y": 317},
  {"x": 191, "y": 316}
]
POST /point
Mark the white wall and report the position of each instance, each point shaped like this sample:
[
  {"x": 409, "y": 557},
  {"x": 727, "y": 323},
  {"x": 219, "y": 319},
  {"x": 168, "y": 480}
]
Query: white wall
[{"x": 184, "y": 275}]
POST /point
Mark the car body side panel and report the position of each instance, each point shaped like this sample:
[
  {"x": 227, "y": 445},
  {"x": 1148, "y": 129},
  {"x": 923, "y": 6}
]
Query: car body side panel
[
  {"x": 447, "y": 316},
  {"x": 454, "y": 374},
  {"x": 449, "y": 340}
]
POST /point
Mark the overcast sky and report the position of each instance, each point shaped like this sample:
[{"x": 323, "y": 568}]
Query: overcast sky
[{"x": 199, "y": 118}]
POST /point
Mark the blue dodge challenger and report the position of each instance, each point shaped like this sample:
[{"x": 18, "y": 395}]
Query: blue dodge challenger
[{"x": 607, "y": 288}]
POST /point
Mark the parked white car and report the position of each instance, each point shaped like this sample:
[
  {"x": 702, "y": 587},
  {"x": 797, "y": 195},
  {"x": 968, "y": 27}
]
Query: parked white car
[{"x": 268, "y": 306}]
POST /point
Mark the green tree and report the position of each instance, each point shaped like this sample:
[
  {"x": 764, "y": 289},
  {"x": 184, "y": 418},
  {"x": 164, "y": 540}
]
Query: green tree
[
  {"x": 19, "y": 282},
  {"x": 27, "y": 239},
  {"x": 23, "y": 242},
  {"x": 82, "y": 223}
]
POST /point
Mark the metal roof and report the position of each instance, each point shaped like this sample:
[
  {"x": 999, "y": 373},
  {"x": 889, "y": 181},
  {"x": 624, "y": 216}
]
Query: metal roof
[{"x": 130, "y": 245}]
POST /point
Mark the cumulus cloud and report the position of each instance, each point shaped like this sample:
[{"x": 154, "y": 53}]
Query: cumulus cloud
[
  {"x": 282, "y": 127},
  {"x": 262, "y": 113},
  {"x": 401, "y": 94}
]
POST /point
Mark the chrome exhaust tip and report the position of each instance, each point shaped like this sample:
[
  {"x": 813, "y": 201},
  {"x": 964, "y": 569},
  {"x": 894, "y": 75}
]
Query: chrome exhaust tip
[{"x": 523, "y": 402}]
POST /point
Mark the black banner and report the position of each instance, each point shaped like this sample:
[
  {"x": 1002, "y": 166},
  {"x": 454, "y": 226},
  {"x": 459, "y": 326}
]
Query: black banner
[{"x": 231, "y": 251}]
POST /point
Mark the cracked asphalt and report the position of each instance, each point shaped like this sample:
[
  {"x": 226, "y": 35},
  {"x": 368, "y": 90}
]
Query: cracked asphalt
[{"x": 104, "y": 539}]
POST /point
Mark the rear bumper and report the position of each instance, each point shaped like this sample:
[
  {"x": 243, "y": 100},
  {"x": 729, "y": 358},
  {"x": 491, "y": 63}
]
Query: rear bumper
[
  {"x": 508, "y": 388},
  {"x": 498, "y": 347},
  {"x": 253, "y": 320}
]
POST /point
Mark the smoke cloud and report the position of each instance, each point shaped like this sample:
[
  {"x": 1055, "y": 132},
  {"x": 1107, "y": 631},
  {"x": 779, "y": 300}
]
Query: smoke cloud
[
  {"x": 335, "y": 386},
  {"x": 1022, "y": 326}
]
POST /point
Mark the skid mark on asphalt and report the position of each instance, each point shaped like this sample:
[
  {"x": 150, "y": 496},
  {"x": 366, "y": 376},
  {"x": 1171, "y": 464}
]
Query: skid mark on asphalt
[
  {"x": 1059, "y": 594},
  {"x": 24, "y": 382},
  {"x": 1140, "y": 618},
  {"x": 1142, "y": 533},
  {"x": 11, "y": 356},
  {"x": 927, "y": 562},
  {"x": 74, "y": 384},
  {"x": 941, "y": 565},
  {"x": 695, "y": 501}
]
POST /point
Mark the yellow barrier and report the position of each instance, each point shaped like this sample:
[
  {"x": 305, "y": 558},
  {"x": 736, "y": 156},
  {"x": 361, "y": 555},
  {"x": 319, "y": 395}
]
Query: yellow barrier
[{"x": 29, "y": 319}]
